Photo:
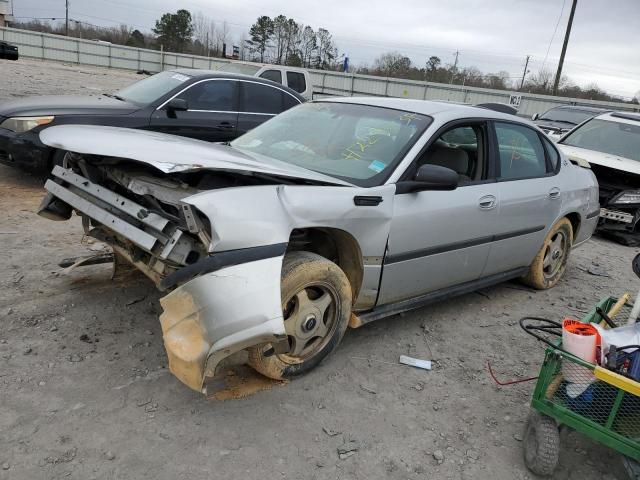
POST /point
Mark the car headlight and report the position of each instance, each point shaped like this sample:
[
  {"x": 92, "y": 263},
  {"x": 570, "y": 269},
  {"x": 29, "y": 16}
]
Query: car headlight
[
  {"x": 627, "y": 198},
  {"x": 24, "y": 124}
]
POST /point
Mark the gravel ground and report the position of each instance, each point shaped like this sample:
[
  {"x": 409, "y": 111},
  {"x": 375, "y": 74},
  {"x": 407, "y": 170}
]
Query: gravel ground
[{"x": 85, "y": 391}]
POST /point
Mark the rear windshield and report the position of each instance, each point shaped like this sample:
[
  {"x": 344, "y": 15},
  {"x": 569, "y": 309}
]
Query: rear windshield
[
  {"x": 614, "y": 138},
  {"x": 241, "y": 68},
  {"x": 152, "y": 88}
]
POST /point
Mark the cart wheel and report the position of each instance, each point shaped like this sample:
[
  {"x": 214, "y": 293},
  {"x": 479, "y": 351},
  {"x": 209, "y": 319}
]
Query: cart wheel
[{"x": 541, "y": 444}]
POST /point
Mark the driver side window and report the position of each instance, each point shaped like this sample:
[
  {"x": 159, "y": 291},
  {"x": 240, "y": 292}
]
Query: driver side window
[{"x": 460, "y": 149}]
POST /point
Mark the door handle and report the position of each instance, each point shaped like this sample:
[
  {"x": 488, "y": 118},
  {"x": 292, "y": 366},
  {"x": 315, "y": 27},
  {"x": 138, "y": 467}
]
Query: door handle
[
  {"x": 487, "y": 202},
  {"x": 554, "y": 193},
  {"x": 226, "y": 125}
]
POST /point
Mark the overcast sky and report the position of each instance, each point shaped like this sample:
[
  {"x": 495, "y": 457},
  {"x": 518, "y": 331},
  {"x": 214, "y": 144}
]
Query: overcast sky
[{"x": 493, "y": 35}]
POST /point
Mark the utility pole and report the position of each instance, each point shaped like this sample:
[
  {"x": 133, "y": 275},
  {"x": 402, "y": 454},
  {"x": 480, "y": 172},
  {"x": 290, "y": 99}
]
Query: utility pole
[
  {"x": 524, "y": 74},
  {"x": 455, "y": 66},
  {"x": 66, "y": 17},
  {"x": 564, "y": 46}
]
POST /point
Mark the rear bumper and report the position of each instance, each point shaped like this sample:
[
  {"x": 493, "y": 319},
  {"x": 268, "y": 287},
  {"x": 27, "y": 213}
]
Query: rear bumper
[
  {"x": 24, "y": 150},
  {"x": 218, "y": 314}
]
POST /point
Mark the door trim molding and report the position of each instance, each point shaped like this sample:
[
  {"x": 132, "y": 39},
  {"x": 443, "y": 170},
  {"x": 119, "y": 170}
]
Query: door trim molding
[
  {"x": 435, "y": 296},
  {"x": 425, "y": 252}
]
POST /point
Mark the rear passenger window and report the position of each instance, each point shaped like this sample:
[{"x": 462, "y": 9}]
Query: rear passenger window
[
  {"x": 521, "y": 152},
  {"x": 259, "y": 98},
  {"x": 289, "y": 101},
  {"x": 295, "y": 81},
  {"x": 218, "y": 95},
  {"x": 273, "y": 75},
  {"x": 552, "y": 154}
]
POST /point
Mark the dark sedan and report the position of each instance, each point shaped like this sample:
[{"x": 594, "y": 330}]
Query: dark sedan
[
  {"x": 8, "y": 51},
  {"x": 216, "y": 107},
  {"x": 557, "y": 121}
]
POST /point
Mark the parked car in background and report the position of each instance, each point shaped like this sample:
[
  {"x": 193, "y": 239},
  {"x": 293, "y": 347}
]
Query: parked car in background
[
  {"x": 557, "y": 121},
  {"x": 363, "y": 206},
  {"x": 297, "y": 79},
  {"x": 202, "y": 104},
  {"x": 610, "y": 144},
  {"x": 8, "y": 51}
]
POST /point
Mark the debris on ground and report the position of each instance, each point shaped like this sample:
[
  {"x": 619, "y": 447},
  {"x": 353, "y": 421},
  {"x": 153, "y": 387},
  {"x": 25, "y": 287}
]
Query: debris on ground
[
  {"x": 368, "y": 388},
  {"x": 241, "y": 382},
  {"x": 331, "y": 433},
  {"x": 598, "y": 271},
  {"x": 415, "y": 362},
  {"x": 348, "y": 449}
]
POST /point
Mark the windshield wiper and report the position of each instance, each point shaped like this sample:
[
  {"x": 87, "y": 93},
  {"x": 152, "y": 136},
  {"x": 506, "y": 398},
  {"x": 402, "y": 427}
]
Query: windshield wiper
[
  {"x": 559, "y": 121},
  {"x": 117, "y": 97}
]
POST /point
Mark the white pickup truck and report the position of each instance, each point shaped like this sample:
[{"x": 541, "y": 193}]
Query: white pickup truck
[{"x": 297, "y": 79}]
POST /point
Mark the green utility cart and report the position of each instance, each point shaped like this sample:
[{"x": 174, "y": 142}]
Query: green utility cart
[{"x": 599, "y": 403}]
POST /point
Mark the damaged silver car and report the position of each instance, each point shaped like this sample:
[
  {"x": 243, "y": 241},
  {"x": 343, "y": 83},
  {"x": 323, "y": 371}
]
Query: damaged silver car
[{"x": 331, "y": 215}]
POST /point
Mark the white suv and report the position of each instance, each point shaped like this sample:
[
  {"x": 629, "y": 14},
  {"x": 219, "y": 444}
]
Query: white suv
[{"x": 297, "y": 79}]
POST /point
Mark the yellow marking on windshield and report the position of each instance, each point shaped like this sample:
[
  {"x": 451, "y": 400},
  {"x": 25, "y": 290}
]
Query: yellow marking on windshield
[{"x": 408, "y": 117}]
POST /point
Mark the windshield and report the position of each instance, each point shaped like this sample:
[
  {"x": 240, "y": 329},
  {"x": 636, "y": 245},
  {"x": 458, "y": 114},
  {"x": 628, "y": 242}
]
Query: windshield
[
  {"x": 357, "y": 143},
  {"x": 241, "y": 68},
  {"x": 152, "y": 88},
  {"x": 615, "y": 138},
  {"x": 565, "y": 115}
]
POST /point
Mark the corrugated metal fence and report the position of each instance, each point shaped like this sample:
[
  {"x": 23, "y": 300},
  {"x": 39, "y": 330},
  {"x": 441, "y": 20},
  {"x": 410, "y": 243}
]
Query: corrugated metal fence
[{"x": 88, "y": 52}]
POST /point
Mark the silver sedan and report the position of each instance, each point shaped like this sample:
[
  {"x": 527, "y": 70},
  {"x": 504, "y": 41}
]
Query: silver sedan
[{"x": 333, "y": 214}]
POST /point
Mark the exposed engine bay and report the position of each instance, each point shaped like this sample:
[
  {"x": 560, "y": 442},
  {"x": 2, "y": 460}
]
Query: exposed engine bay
[{"x": 619, "y": 202}]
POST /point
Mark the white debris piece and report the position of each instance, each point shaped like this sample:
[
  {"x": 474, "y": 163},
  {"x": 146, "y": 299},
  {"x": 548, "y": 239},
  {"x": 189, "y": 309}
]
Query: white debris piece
[{"x": 415, "y": 362}]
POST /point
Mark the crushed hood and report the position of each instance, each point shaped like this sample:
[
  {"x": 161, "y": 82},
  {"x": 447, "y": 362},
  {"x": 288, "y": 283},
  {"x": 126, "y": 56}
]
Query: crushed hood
[
  {"x": 170, "y": 153},
  {"x": 599, "y": 158}
]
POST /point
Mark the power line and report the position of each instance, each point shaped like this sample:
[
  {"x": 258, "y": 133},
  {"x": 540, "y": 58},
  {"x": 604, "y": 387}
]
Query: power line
[
  {"x": 564, "y": 46},
  {"x": 554, "y": 34}
]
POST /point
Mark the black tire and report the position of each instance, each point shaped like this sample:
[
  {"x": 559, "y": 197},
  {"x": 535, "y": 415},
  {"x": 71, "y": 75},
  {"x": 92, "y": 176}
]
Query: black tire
[
  {"x": 541, "y": 275},
  {"x": 541, "y": 444},
  {"x": 305, "y": 275},
  {"x": 57, "y": 158}
]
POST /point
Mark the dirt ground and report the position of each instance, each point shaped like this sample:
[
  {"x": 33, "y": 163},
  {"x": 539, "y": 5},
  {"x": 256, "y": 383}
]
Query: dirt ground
[{"x": 85, "y": 392}]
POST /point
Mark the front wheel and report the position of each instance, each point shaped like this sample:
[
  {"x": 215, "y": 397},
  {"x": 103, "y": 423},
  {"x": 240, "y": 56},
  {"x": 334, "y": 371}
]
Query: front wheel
[
  {"x": 541, "y": 444},
  {"x": 316, "y": 306},
  {"x": 549, "y": 264}
]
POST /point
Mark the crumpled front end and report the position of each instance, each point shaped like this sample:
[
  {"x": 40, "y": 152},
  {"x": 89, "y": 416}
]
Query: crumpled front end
[{"x": 218, "y": 314}]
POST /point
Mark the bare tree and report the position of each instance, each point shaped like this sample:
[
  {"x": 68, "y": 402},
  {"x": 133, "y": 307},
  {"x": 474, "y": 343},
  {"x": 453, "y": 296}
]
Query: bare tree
[
  {"x": 327, "y": 51},
  {"x": 392, "y": 64},
  {"x": 308, "y": 45},
  {"x": 222, "y": 35},
  {"x": 201, "y": 31}
]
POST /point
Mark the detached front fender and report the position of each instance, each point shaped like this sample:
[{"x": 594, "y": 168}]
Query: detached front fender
[{"x": 219, "y": 313}]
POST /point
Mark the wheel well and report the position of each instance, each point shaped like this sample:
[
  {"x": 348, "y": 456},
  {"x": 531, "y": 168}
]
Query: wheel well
[
  {"x": 336, "y": 245},
  {"x": 574, "y": 218}
]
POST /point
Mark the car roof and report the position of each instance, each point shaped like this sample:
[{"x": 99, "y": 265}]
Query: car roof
[
  {"x": 427, "y": 107},
  {"x": 581, "y": 108},
  {"x": 201, "y": 73},
  {"x": 631, "y": 118}
]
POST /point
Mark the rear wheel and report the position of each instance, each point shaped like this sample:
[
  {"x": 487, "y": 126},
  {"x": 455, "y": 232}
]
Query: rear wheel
[
  {"x": 550, "y": 263},
  {"x": 316, "y": 306}
]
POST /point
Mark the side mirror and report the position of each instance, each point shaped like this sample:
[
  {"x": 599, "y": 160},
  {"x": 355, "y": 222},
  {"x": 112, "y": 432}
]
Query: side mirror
[
  {"x": 535, "y": 116},
  {"x": 176, "y": 105},
  {"x": 430, "y": 177}
]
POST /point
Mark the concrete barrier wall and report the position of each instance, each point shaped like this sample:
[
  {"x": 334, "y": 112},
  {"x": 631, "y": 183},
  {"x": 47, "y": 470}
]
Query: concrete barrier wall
[{"x": 325, "y": 83}]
